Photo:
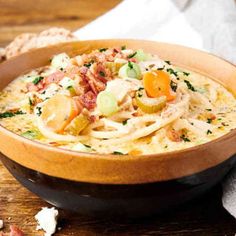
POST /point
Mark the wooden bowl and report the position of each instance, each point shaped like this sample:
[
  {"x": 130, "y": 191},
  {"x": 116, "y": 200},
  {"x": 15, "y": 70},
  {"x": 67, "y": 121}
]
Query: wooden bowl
[{"x": 118, "y": 185}]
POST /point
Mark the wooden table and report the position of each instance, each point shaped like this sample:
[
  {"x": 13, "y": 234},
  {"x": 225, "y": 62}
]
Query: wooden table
[{"x": 204, "y": 216}]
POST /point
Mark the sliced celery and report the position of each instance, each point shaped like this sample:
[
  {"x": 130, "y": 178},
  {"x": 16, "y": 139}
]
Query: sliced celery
[
  {"x": 130, "y": 70},
  {"x": 107, "y": 103},
  {"x": 77, "y": 125},
  {"x": 142, "y": 56},
  {"x": 149, "y": 105},
  {"x": 32, "y": 134}
]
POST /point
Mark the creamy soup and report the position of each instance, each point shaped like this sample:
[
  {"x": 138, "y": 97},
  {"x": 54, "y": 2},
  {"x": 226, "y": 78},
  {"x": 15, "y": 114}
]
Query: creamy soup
[{"x": 118, "y": 101}]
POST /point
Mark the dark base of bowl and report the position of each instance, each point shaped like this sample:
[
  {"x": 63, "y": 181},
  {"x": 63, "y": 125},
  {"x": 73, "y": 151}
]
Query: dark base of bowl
[{"x": 129, "y": 201}]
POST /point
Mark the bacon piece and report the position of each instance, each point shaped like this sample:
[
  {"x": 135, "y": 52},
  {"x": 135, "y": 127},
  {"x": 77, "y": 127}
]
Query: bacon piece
[
  {"x": 133, "y": 60},
  {"x": 88, "y": 100},
  {"x": 78, "y": 103},
  {"x": 173, "y": 135},
  {"x": 95, "y": 84},
  {"x": 55, "y": 77},
  {"x": 72, "y": 71},
  {"x": 32, "y": 87},
  {"x": 15, "y": 231}
]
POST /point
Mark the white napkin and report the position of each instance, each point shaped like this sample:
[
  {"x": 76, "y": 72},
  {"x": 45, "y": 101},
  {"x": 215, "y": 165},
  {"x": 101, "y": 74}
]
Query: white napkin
[
  {"x": 203, "y": 24},
  {"x": 208, "y": 25}
]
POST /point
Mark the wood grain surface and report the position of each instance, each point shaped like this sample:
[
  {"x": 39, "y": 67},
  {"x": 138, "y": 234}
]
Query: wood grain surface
[{"x": 204, "y": 216}]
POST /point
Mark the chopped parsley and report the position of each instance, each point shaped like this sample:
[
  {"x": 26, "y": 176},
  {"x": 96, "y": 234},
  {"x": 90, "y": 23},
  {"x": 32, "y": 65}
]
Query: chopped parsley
[
  {"x": 39, "y": 111},
  {"x": 208, "y": 109},
  {"x": 173, "y": 85},
  {"x": 161, "y": 68},
  {"x": 8, "y": 114},
  {"x": 189, "y": 85},
  {"x": 140, "y": 95},
  {"x": 209, "y": 132},
  {"x": 186, "y": 73},
  {"x": 125, "y": 122},
  {"x": 167, "y": 62},
  {"x": 31, "y": 134},
  {"x": 37, "y": 80},
  {"x": 209, "y": 120},
  {"x": 102, "y": 49},
  {"x": 171, "y": 71},
  {"x": 123, "y": 47},
  {"x": 140, "y": 89},
  {"x": 184, "y": 138},
  {"x": 130, "y": 65},
  {"x": 89, "y": 63},
  {"x": 30, "y": 102},
  {"x": 132, "y": 55},
  {"x": 61, "y": 69},
  {"x": 117, "y": 153},
  {"x": 101, "y": 73},
  {"x": 87, "y": 146}
]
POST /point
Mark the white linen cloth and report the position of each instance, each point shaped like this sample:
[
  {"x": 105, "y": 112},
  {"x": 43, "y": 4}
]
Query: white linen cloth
[{"x": 208, "y": 25}]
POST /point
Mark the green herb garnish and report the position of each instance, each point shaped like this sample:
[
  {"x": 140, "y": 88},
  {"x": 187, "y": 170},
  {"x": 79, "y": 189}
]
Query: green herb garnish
[
  {"x": 186, "y": 73},
  {"x": 209, "y": 132},
  {"x": 132, "y": 55},
  {"x": 167, "y": 62},
  {"x": 101, "y": 73},
  {"x": 117, "y": 153},
  {"x": 209, "y": 120},
  {"x": 87, "y": 146},
  {"x": 173, "y": 85},
  {"x": 123, "y": 47},
  {"x": 140, "y": 95},
  {"x": 8, "y": 114},
  {"x": 30, "y": 102},
  {"x": 39, "y": 111},
  {"x": 171, "y": 71},
  {"x": 184, "y": 138},
  {"x": 208, "y": 109},
  {"x": 189, "y": 85},
  {"x": 31, "y": 134},
  {"x": 125, "y": 122},
  {"x": 37, "y": 80},
  {"x": 89, "y": 63},
  {"x": 102, "y": 49},
  {"x": 130, "y": 65}
]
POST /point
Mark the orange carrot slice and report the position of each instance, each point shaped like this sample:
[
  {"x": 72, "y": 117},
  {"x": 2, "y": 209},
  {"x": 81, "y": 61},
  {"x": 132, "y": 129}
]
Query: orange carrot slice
[
  {"x": 157, "y": 83},
  {"x": 58, "y": 112}
]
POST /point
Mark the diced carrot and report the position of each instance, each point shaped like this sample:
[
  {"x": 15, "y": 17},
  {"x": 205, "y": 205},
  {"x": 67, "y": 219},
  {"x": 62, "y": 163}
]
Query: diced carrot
[
  {"x": 157, "y": 83},
  {"x": 135, "y": 152},
  {"x": 58, "y": 112}
]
